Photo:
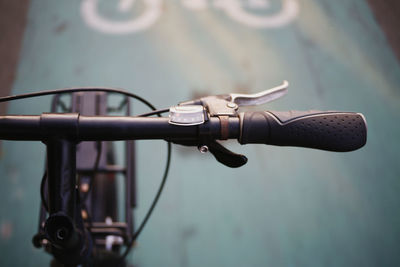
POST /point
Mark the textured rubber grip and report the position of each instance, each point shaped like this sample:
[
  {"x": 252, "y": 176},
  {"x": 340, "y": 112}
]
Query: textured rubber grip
[{"x": 332, "y": 130}]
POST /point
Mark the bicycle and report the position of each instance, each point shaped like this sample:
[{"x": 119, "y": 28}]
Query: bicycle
[{"x": 79, "y": 230}]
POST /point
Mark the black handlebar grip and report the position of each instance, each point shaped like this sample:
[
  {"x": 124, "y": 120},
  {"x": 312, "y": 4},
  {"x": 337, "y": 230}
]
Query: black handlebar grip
[{"x": 331, "y": 130}]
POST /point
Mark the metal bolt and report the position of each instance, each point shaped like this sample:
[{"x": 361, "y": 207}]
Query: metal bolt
[
  {"x": 61, "y": 233},
  {"x": 232, "y": 105},
  {"x": 84, "y": 214},
  {"x": 84, "y": 187},
  {"x": 203, "y": 149}
]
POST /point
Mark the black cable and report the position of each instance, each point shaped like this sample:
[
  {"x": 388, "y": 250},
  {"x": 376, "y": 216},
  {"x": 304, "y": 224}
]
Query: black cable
[
  {"x": 42, "y": 186},
  {"x": 71, "y": 90},
  {"x": 155, "y": 112},
  {"x": 88, "y": 89},
  {"x": 99, "y": 146},
  {"x": 149, "y": 212}
]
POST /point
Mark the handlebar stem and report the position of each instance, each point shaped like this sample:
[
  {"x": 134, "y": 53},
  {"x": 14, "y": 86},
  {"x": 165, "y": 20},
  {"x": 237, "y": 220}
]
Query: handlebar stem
[{"x": 61, "y": 169}]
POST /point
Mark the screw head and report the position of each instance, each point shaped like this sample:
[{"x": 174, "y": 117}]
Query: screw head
[
  {"x": 203, "y": 149},
  {"x": 232, "y": 105},
  {"x": 61, "y": 233}
]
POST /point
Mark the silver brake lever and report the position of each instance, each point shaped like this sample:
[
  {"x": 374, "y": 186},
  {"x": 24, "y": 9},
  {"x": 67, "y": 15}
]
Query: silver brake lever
[{"x": 261, "y": 97}]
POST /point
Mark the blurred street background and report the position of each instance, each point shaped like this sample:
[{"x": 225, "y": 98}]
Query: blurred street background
[{"x": 287, "y": 206}]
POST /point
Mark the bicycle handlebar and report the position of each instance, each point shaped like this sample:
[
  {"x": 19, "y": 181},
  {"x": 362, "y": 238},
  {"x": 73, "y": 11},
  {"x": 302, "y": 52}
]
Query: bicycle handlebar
[
  {"x": 216, "y": 118},
  {"x": 104, "y": 128},
  {"x": 334, "y": 131}
]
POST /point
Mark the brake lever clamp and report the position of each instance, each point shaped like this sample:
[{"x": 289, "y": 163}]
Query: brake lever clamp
[{"x": 223, "y": 107}]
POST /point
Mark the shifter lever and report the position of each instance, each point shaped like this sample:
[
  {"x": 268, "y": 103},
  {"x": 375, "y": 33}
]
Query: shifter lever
[{"x": 225, "y": 156}]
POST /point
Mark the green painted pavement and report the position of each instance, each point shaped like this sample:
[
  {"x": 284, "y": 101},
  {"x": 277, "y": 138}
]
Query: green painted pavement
[{"x": 287, "y": 206}]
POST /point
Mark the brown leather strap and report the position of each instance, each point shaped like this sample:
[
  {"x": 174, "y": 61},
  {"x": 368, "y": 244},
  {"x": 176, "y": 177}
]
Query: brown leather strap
[{"x": 224, "y": 127}]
